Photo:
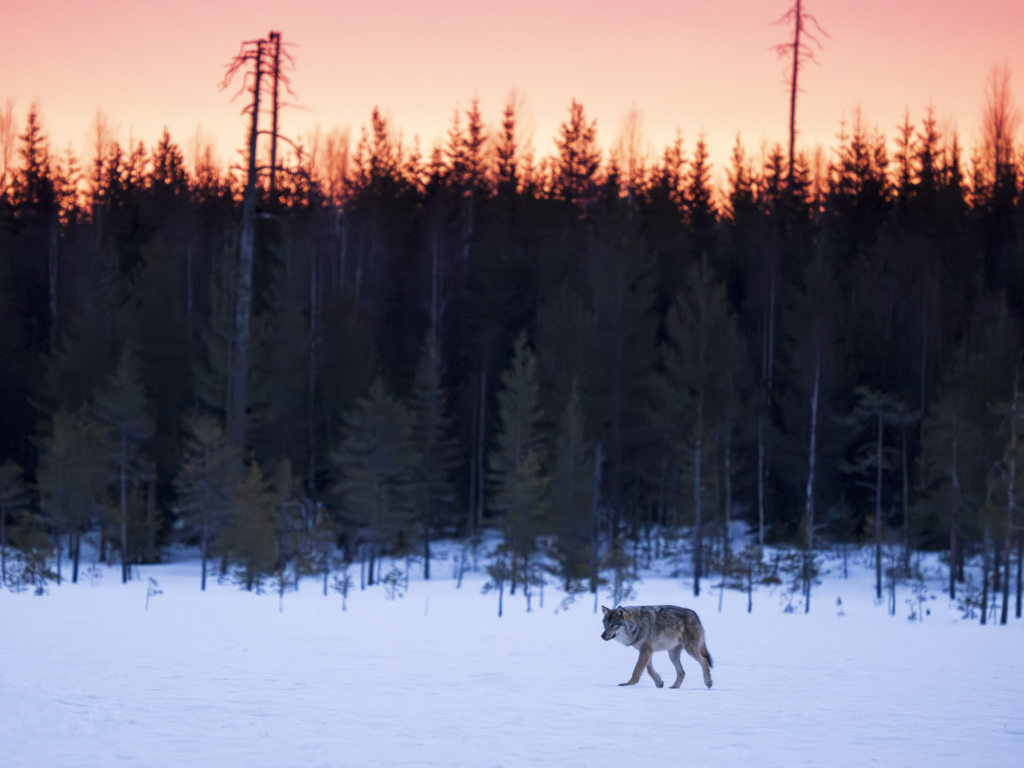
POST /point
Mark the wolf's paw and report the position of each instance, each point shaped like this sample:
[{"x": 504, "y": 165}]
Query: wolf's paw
[
  {"x": 659, "y": 683},
  {"x": 628, "y": 682},
  {"x": 708, "y": 683}
]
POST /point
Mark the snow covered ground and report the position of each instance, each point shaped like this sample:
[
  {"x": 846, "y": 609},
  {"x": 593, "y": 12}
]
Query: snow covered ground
[{"x": 89, "y": 677}]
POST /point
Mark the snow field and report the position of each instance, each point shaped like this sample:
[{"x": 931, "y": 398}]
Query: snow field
[{"x": 222, "y": 678}]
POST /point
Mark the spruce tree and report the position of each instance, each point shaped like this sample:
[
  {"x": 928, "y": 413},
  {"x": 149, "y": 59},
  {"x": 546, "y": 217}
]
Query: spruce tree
[
  {"x": 571, "y": 497},
  {"x": 206, "y": 481},
  {"x": 700, "y": 354},
  {"x": 517, "y": 475},
  {"x": 124, "y": 408},
  {"x": 72, "y": 477},
  {"x": 249, "y": 537},
  {"x": 377, "y": 463},
  {"x": 437, "y": 451},
  {"x": 621, "y": 346},
  {"x": 13, "y": 496},
  {"x": 574, "y": 178}
]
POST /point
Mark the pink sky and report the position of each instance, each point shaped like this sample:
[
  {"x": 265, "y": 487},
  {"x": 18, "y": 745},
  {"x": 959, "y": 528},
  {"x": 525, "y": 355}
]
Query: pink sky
[{"x": 687, "y": 64}]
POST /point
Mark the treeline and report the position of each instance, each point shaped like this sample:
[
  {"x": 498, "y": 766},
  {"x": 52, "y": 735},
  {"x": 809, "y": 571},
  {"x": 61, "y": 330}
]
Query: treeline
[{"x": 581, "y": 352}]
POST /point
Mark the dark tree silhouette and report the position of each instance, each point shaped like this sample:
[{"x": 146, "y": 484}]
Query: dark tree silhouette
[{"x": 799, "y": 52}]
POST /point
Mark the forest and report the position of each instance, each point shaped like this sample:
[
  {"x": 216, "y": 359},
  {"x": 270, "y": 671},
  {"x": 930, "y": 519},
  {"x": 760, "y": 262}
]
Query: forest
[{"x": 343, "y": 349}]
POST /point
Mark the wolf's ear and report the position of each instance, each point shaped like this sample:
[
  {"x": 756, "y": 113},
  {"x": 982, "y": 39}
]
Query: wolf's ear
[{"x": 606, "y": 611}]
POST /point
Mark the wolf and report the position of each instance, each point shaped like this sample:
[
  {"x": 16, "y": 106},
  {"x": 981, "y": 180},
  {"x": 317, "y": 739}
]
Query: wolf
[{"x": 650, "y": 628}]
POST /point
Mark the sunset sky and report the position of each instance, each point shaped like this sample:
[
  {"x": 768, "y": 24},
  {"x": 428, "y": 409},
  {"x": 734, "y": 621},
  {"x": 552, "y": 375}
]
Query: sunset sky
[{"x": 691, "y": 65}]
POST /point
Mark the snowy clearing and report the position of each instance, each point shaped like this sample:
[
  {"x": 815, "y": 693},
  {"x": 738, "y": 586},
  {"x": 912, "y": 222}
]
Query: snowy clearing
[{"x": 88, "y": 677}]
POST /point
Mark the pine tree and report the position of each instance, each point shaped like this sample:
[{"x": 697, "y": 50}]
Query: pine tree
[
  {"x": 206, "y": 480},
  {"x": 701, "y": 214},
  {"x": 952, "y": 449},
  {"x": 72, "y": 477},
  {"x": 814, "y": 355},
  {"x": 574, "y": 176},
  {"x": 249, "y": 537},
  {"x": 13, "y": 496},
  {"x": 700, "y": 354},
  {"x": 517, "y": 461},
  {"x": 437, "y": 451},
  {"x": 873, "y": 411},
  {"x": 621, "y": 346},
  {"x": 377, "y": 463},
  {"x": 124, "y": 408},
  {"x": 571, "y": 494},
  {"x": 507, "y": 154}
]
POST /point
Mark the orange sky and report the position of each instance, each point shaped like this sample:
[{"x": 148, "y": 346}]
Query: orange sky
[{"x": 688, "y": 64}]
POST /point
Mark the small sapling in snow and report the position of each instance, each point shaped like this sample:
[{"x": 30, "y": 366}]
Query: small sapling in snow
[
  {"x": 342, "y": 584},
  {"x": 152, "y": 590}
]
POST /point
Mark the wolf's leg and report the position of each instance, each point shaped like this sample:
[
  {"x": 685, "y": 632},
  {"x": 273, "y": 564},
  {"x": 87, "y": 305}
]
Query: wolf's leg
[
  {"x": 698, "y": 652},
  {"x": 645, "y": 656},
  {"x": 674, "y": 655},
  {"x": 654, "y": 675}
]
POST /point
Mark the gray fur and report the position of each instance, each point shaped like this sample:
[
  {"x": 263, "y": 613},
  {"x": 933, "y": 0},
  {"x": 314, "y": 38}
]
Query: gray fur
[{"x": 650, "y": 628}]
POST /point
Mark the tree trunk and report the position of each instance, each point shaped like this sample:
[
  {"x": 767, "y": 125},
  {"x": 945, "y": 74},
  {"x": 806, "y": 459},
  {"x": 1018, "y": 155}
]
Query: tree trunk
[
  {"x": 812, "y": 452},
  {"x": 793, "y": 90},
  {"x": 3, "y": 544},
  {"x": 727, "y": 520},
  {"x": 471, "y": 495},
  {"x": 750, "y": 586},
  {"x": 698, "y": 548},
  {"x": 878, "y": 511},
  {"x": 809, "y": 502},
  {"x": 75, "y": 552},
  {"x": 239, "y": 368},
  {"x": 1020, "y": 576},
  {"x": 1004, "y": 615},
  {"x": 52, "y": 261},
  {"x": 760, "y": 484},
  {"x": 996, "y": 572},
  {"x": 275, "y": 40},
  {"x": 123, "y": 487},
  {"x": 481, "y": 442},
  {"x": 204, "y": 546},
  {"x": 954, "y": 474},
  {"x": 984, "y": 581},
  {"x": 767, "y": 365},
  {"x": 314, "y": 341},
  {"x": 151, "y": 521},
  {"x": 595, "y": 521},
  {"x": 1011, "y": 499},
  {"x": 906, "y": 505},
  {"x": 952, "y": 561}
]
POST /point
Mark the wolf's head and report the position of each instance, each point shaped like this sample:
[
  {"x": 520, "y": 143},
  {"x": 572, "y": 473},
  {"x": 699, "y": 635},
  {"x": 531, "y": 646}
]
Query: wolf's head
[{"x": 617, "y": 626}]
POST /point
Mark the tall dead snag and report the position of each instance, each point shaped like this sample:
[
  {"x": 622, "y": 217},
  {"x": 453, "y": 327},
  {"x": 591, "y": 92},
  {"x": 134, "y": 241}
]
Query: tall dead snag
[
  {"x": 274, "y": 44},
  {"x": 250, "y": 59},
  {"x": 800, "y": 52},
  {"x": 278, "y": 61}
]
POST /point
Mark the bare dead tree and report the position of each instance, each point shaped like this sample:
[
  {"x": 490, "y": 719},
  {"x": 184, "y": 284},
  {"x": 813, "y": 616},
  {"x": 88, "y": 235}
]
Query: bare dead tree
[
  {"x": 8, "y": 132},
  {"x": 631, "y": 153},
  {"x": 279, "y": 61},
  {"x": 1001, "y": 121},
  {"x": 250, "y": 60},
  {"x": 800, "y": 52}
]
